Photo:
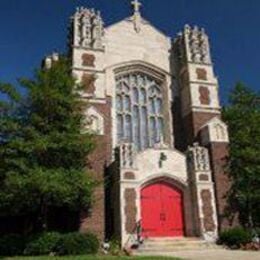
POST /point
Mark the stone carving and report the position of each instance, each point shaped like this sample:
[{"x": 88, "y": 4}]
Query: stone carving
[
  {"x": 94, "y": 121},
  {"x": 220, "y": 132},
  {"x": 88, "y": 60},
  {"x": 207, "y": 210},
  {"x": 127, "y": 154},
  {"x": 199, "y": 158},
  {"x": 88, "y": 28},
  {"x": 130, "y": 210},
  {"x": 197, "y": 44},
  {"x": 204, "y": 95}
]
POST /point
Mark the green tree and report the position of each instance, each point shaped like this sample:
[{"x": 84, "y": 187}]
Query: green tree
[
  {"x": 43, "y": 148},
  {"x": 243, "y": 118}
]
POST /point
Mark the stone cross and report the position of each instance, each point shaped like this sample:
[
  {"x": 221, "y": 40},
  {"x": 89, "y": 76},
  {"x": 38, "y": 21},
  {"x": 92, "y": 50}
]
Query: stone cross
[
  {"x": 137, "y": 16},
  {"x": 136, "y": 4}
]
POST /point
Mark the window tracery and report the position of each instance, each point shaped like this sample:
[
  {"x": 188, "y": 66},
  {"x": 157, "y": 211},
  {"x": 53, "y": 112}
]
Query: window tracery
[{"x": 139, "y": 107}]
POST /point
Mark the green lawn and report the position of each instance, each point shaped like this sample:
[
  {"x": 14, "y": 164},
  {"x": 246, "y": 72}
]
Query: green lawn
[{"x": 92, "y": 257}]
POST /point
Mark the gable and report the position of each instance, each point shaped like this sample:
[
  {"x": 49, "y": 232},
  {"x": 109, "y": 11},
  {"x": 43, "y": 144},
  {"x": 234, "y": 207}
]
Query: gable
[
  {"x": 124, "y": 44},
  {"x": 214, "y": 130}
]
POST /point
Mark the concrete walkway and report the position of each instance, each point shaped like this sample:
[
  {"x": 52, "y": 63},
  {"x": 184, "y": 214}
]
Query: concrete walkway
[{"x": 215, "y": 254}]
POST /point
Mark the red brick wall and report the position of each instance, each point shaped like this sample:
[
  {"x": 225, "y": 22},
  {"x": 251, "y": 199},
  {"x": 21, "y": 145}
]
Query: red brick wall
[
  {"x": 98, "y": 161},
  {"x": 207, "y": 210},
  {"x": 218, "y": 154},
  {"x": 130, "y": 210}
]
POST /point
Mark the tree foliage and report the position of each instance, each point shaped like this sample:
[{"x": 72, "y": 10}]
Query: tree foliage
[
  {"x": 243, "y": 118},
  {"x": 42, "y": 148}
]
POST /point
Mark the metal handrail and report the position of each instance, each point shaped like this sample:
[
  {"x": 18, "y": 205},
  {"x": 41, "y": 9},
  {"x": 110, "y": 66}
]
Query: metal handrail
[{"x": 136, "y": 236}]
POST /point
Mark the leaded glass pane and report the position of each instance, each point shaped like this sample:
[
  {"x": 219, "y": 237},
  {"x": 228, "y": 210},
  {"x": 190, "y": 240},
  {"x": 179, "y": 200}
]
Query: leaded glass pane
[
  {"x": 135, "y": 95},
  {"x": 160, "y": 127},
  {"x": 119, "y": 105},
  {"x": 128, "y": 128},
  {"x": 144, "y": 130},
  {"x": 142, "y": 96},
  {"x": 127, "y": 104},
  {"x": 136, "y": 123},
  {"x": 158, "y": 106},
  {"x": 152, "y": 130},
  {"x": 153, "y": 106},
  {"x": 120, "y": 132}
]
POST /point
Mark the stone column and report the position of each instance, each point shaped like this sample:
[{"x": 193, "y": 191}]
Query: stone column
[{"x": 199, "y": 168}]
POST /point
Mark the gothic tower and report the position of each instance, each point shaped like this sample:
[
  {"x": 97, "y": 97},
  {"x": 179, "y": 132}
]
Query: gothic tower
[
  {"x": 199, "y": 107},
  {"x": 87, "y": 51}
]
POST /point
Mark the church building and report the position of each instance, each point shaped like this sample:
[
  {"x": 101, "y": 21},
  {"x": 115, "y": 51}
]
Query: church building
[{"x": 161, "y": 143}]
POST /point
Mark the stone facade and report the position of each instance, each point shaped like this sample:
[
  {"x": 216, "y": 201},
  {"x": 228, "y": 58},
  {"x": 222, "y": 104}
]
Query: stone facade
[{"x": 188, "y": 152}]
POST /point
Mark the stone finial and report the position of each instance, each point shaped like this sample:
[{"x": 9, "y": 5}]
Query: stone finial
[
  {"x": 50, "y": 60},
  {"x": 194, "y": 43},
  {"x": 88, "y": 28}
]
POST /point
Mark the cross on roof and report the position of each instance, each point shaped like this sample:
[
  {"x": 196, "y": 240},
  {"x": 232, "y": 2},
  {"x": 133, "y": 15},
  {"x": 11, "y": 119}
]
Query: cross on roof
[{"x": 136, "y": 4}]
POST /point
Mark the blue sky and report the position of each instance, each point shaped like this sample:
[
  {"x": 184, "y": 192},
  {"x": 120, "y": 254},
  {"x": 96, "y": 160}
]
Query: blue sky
[{"x": 30, "y": 29}]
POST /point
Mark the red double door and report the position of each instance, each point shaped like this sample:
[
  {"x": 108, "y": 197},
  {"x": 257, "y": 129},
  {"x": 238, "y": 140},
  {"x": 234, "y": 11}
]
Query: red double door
[{"x": 161, "y": 211}]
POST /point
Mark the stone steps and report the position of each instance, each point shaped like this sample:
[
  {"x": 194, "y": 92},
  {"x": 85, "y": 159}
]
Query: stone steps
[{"x": 167, "y": 245}]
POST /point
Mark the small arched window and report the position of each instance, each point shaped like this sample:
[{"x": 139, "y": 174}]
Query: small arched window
[{"x": 139, "y": 107}]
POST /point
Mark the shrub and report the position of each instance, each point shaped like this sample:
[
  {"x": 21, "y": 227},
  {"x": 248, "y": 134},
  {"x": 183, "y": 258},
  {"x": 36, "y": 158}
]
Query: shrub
[
  {"x": 115, "y": 247},
  {"x": 77, "y": 244},
  {"x": 12, "y": 244},
  {"x": 43, "y": 244},
  {"x": 235, "y": 238}
]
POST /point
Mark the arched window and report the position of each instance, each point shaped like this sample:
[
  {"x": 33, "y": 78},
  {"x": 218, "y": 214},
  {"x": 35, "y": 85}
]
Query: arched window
[{"x": 139, "y": 106}]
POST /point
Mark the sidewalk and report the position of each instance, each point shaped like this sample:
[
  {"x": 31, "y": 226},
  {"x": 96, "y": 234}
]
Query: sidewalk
[{"x": 215, "y": 254}]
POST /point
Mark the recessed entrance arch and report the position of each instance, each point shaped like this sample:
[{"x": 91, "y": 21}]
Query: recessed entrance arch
[{"x": 162, "y": 210}]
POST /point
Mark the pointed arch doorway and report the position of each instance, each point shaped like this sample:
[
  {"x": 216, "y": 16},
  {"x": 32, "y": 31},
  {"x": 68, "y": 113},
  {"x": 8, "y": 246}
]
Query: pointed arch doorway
[{"x": 162, "y": 210}]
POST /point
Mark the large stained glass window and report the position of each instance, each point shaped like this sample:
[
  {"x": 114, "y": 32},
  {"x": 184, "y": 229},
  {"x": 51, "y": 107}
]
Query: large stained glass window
[{"x": 139, "y": 106}]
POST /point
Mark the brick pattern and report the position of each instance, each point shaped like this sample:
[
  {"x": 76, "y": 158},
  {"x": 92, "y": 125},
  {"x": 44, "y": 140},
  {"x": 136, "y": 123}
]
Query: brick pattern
[
  {"x": 130, "y": 210},
  {"x": 201, "y": 74},
  {"x": 88, "y": 60},
  {"x": 98, "y": 162},
  {"x": 129, "y": 176},
  {"x": 203, "y": 177},
  {"x": 204, "y": 95},
  {"x": 88, "y": 82},
  {"x": 192, "y": 222},
  {"x": 207, "y": 210}
]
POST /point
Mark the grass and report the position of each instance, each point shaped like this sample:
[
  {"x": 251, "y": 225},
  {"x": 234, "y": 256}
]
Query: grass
[{"x": 93, "y": 258}]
